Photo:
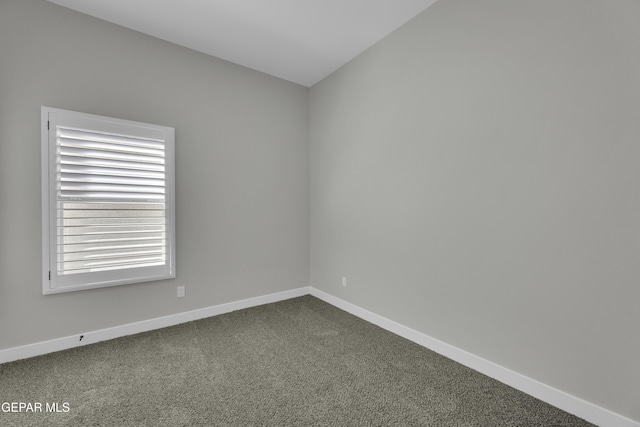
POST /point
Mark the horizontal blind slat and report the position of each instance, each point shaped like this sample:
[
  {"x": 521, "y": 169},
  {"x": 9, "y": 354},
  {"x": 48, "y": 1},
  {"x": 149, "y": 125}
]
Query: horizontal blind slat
[
  {"x": 66, "y": 132},
  {"x": 74, "y": 265},
  {"x": 108, "y": 155},
  {"x": 110, "y": 179},
  {"x": 105, "y": 146},
  {"x": 104, "y": 163},
  {"x": 116, "y": 267},
  {"x": 95, "y": 195},
  {"x": 75, "y": 222},
  {"x": 109, "y": 253},
  {"x": 114, "y": 206},
  {"x": 105, "y": 213},
  {"x": 112, "y": 238},
  {"x": 106, "y": 188},
  {"x": 97, "y": 171},
  {"x": 104, "y": 246},
  {"x": 108, "y": 230}
]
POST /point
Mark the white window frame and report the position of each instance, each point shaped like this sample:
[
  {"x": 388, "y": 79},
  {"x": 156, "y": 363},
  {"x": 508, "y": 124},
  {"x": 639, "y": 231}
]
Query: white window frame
[{"x": 52, "y": 282}]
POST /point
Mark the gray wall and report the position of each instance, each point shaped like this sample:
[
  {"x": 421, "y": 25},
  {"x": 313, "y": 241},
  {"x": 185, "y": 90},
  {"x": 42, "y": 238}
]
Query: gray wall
[
  {"x": 476, "y": 177},
  {"x": 242, "y": 168}
]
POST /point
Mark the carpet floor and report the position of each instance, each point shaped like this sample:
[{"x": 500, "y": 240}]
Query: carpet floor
[{"x": 299, "y": 362}]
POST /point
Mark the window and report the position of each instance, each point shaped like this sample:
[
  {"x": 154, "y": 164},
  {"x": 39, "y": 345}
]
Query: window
[{"x": 107, "y": 201}]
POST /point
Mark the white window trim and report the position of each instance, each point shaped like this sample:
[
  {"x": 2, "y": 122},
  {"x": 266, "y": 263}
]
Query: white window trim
[{"x": 50, "y": 283}]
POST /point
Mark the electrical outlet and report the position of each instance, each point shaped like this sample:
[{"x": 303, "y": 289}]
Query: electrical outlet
[
  {"x": 180, "y": 291},
  {"x": 344, "y": 282}
]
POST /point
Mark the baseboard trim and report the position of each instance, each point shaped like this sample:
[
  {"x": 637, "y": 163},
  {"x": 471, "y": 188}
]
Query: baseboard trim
[
  {"x": 574, "y": 405},
  {"x": 581, "y": 408},
  {"x": 90, "y": 337}
]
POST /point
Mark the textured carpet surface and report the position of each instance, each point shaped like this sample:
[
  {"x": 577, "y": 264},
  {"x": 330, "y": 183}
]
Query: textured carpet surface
[{"x": 298, "y": 362}]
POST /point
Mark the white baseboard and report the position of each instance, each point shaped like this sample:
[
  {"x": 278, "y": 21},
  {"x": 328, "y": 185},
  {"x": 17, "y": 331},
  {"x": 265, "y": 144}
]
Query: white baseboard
[
  {"x": 581, "y": 408},
  {"x": 568, "y": 403},
  {"x": 90, "y": 337}
]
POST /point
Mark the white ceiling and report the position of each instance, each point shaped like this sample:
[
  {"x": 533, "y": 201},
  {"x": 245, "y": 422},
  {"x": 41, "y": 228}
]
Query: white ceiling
[{"x": 302, "y": 41}]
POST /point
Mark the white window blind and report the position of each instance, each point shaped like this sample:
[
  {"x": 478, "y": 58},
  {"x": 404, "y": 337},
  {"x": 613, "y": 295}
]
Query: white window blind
[{"x": 110, "y": 201}]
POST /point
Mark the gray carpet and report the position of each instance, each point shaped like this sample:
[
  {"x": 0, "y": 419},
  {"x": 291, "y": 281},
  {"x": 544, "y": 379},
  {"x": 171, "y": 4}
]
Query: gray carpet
[{"x": 299, "y": 362}]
